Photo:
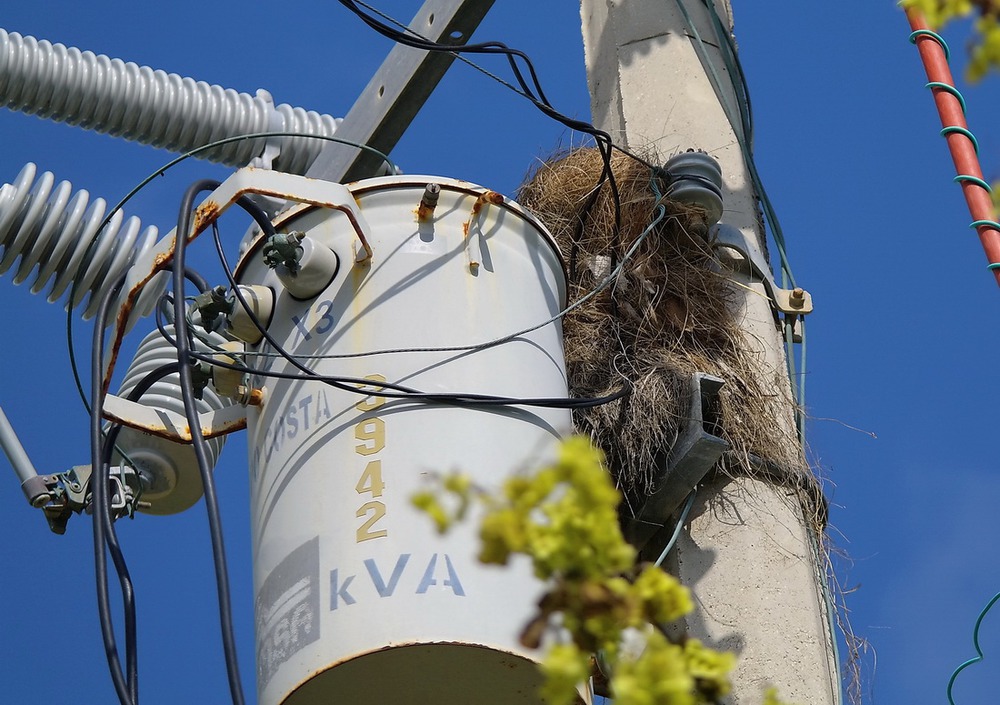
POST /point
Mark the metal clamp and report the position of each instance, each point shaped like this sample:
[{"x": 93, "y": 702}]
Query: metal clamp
[
  {"x": 791, "y": 302},
  {"x": 694, "y": 453},
  {"x": 69, "y": 493}
]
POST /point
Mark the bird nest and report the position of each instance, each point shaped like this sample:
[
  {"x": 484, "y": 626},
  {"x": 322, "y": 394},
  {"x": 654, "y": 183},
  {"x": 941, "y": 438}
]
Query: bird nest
[{"x": 670, "y": 312}]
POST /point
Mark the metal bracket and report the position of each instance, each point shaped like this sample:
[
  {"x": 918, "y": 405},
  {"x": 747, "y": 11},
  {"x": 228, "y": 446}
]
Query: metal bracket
[
  {"x": 246, "y": 181},
  {"x": 694, "y": 453},
  {"x": 171, "y": 425},
  {"x": 791, "y": 302}
]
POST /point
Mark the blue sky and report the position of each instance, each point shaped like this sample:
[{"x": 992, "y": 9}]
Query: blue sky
[{"x": 900, "y": 345}]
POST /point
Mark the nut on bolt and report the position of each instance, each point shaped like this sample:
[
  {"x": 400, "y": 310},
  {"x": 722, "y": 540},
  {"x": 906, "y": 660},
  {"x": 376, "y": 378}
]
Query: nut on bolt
[
  {"x": 250, "y": 396},
  {"x": 428, "y": 202},
  {"x": 797, "y": 298}
]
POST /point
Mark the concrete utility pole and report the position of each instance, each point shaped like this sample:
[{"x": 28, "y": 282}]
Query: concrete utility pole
[{"x": 748, "y": 554}]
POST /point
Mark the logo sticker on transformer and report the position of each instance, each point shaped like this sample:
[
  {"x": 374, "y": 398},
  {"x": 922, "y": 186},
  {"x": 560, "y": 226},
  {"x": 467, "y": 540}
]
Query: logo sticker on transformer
[{"x": 287, "y": 609}]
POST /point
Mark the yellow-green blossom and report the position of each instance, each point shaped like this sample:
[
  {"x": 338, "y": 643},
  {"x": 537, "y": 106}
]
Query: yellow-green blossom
[
  {"x": 984, "y": 49},
  {"x": 429, "y": 504},
  {"x": 564, "y": 517},
  {"x": 565, "y": 668}
]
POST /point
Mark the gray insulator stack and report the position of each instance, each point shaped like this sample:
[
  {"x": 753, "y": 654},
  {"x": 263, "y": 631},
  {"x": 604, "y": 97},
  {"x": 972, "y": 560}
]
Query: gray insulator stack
[
  {"x": 150, "y": 106},
  {"x": 56, "y": 233},
  {"x": 173, "y": 481}
]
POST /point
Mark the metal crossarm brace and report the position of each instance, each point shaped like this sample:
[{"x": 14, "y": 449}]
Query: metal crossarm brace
[{"x": 398, "y": 90}]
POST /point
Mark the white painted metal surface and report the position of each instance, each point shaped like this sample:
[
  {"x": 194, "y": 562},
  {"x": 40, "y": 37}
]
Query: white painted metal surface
[{"x": 357, "y": 598}]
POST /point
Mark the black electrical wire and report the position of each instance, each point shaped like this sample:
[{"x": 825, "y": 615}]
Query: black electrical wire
[
  {"x": 89, "y": 253},
  {"x": 165, "y": 306},
  {"x": 199, "y": 281},
  {"x": 416, "y": 41},
  {"x": 184, "y": 358},
  {"x": 457, "y": 49},
  {"x": 100, "y": 501},
  {"x": 128, "y": 607},
  {"x": 114, "y": 548},
  {"x": 105, "y": 535},
  {"x": 124, "y": 580},
  {"x": 126, "y": 690},
  {"x": 532, "y": 92},
  {"x": 135, "y": 394},
  {"x": 356, "y": 385},
  {"x": 536, "y": 96}
]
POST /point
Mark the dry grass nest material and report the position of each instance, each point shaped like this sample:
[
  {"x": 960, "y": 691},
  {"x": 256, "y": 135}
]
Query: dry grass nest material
[{"x": 670, "y": 313}]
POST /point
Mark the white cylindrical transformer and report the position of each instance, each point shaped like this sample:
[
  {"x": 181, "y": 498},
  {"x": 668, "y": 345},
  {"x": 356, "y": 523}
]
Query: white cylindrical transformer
[{"x": 358, "y": 599}]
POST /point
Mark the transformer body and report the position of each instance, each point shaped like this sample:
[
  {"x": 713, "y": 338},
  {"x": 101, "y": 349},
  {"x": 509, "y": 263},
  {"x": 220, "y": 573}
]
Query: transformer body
[{"x": 356, "y": 595}]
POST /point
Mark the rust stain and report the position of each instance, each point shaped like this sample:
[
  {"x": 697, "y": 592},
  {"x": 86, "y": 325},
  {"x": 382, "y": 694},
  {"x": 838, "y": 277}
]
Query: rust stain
[
  {"x": 359, "y": 231},
  {"x": 160, "y": 263},
  {"x": 205, "y": 214},
  {"x": 208, "y": 432},
  {"x": 252, "y": 397},
  {"x": 491, "y": 197},
  {"x": 178, "y": 435},
  {"x": 122, "y": 318},
  {"x": 424, "y": 212},
  {"x": 120, "y": 322}
]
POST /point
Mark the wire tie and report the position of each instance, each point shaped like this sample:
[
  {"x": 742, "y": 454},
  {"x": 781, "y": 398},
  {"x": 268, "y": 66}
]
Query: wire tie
[
  {"x": 985, "y": 223},
  {"x": 975, "y": 180},
  {"x": 948, "y": 88},
  {"x": 935, "y": 36},
  {"x": 958, "y": 130},
  {"x": 993, "y": 266}
]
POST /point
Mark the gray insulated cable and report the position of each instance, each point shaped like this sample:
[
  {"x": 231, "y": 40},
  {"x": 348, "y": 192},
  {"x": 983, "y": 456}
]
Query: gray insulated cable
[{"x": 151, "y": 106}]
